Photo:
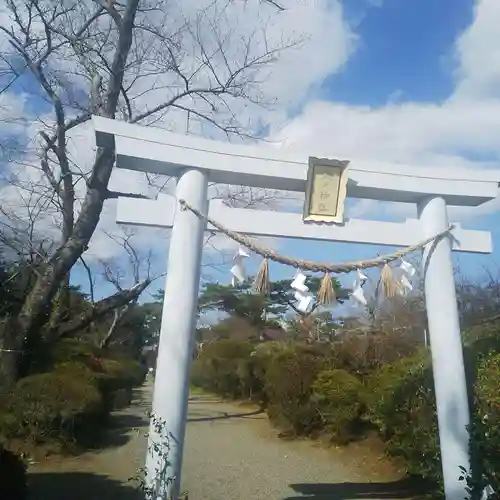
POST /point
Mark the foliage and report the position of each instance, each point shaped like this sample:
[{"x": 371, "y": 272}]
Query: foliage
[
  {"x": 235, "y": 328},
  {"x": 383, "y": 381},
  {"x": 242, "y": 302},
  {"x": 225, "y": 367},
  {"x": 58, "y": 405},
  {"x": 361, "y": 355},
  {"x": 338, "y": 397},
  {"x": 70, "y": 401},
  {"x": 73, "y": 350},
  {"x": 68, "y": 386},
  {"x": 13, "y": 477},
  {"x": 149, "y": 315},
  {"x": 478, "y": 300},
  {"x": 380, "y": 382},
  {"x": 289, "y": 380},
  {"x": 401, "y": 405},
  {"x": 120, "y": 375},
  {"x": 485, "y": 428},
  {"x": 317, "y": 326}
]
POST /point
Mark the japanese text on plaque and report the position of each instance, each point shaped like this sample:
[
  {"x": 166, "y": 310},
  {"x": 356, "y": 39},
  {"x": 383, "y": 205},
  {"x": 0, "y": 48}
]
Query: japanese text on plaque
[{"x": 325, "y": 191}]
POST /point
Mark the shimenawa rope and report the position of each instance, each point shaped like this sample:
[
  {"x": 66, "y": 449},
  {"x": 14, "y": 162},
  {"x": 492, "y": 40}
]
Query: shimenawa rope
[{"x": 316, "y": 267}]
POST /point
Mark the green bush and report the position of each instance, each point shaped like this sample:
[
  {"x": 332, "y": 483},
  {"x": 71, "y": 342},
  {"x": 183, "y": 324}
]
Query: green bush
[
  {"x": 13, "y": 477},
  {"x": 486, "y": 425},
  {"x": 116, "y": 380},
  {"x": 61, "y": 405},
  {"x": 382, "y": 381},
  {"x": 69, "y": 401},
  {"x": 289, "y": 380},
  {"x": 401, "y": 404},
  {"x": 225, "y": 367},
  {"x": 71, "y": 350},
  {"x": 339, "y": 399},
  {"x": 75, "y": 369},
  {"x": 124, "y": 373}
]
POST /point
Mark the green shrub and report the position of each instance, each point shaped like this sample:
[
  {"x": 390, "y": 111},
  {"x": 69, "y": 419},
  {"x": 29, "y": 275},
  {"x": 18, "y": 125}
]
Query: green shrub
[
  {"x": 76, "y": 369},
  {"x": 486, "y": 425},
  {"x": 60, "y": 405},
  {"x": 288, "y": 385},
  {"x": 226, "y": 368},
  {"x": 70, "y": 350},
  {"x": 13, "y": 478},
  {"x": 338, "y": 397},
  {"x": 124, "y": 373},
  {"x": 262, "y": 359},
  {"x": 116, "y": 379},
  {"x": 401, "y": 404}
]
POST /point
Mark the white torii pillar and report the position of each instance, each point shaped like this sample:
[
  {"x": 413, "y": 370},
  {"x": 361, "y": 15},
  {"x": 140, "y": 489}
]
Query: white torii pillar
[
  {"x": 196, "y": 161},
  {"x": 175, "y": 350},
  {"x": 446, "y": 347}
]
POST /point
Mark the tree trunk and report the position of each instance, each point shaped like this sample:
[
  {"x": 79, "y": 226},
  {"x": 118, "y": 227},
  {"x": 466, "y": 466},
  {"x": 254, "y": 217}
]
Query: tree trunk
[
  {"x": 118, "y": 315},
  {"x": 36, "y": 308},
  {"x": 8, "y": 355},
  {"x": 60, "y": 306},
  {"x": 35, "y": 312},
  {"x": 105, "y": 306}
]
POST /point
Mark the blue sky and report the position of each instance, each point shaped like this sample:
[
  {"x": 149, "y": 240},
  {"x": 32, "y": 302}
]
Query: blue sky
[
  {"x": 405, "y": 51},
  {"x": 405, "y": 54},
  {"x": 412, "y": 81}
]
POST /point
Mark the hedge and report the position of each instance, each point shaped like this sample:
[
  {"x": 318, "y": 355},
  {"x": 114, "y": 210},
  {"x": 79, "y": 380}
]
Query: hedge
[
  {"x": 70, "y": 403},
  {"x": 339, "y": 399},
  {"x": 56, "y": 405},
  {"x": 226, "y": 368},
  {"x": 344, "y": 389},
  {"x": 288, "y": 385},
  {"x": 401, "y": 405},
  {"x": 486, "y": 426}
]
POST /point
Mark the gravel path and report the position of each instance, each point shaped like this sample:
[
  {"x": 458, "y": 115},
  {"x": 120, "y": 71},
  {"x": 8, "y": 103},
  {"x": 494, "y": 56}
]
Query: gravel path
[{"x": 231, "y": 453}]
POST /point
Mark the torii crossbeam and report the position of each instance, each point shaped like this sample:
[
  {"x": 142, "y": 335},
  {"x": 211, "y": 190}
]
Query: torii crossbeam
[{"x": 196, "y": 162}]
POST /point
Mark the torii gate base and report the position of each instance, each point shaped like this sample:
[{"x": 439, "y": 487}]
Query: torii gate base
[{"x": 196, "y": 162}]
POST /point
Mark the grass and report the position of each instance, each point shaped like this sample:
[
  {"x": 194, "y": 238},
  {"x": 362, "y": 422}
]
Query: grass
[{"x": 195, "y": 391}]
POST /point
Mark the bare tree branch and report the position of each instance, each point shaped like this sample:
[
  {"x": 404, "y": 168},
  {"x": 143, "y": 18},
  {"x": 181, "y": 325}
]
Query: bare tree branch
[
  {"x": 91, "y": 280},
  {"x": 133, "y": 60}
]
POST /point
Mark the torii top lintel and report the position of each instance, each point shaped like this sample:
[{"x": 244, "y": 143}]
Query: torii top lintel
[{"x": 155, "y": 150}]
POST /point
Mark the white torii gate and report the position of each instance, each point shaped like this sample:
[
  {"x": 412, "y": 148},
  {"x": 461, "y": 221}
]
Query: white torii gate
[{"x": 196, "y": 162}]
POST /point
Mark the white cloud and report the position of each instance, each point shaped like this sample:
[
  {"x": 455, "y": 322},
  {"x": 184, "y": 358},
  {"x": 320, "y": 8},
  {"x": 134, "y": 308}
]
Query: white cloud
[
  {"x": 479, "y": 54},
  {"x": 408, "y": 132},
  {"x": 452, "y": 133},
  {"x": 326, "y": 43}
]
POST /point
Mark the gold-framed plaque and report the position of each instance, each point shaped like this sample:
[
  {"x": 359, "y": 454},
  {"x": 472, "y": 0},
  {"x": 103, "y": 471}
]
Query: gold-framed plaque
[{"x": 326, "y": 190}]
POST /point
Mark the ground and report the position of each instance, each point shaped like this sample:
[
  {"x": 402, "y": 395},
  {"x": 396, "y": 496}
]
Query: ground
[{"x": 231, "y": 453}]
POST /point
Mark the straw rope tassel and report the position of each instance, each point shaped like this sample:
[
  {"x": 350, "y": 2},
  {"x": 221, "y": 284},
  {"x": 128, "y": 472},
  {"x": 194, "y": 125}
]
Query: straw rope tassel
[
  {"x": 326, "y": 292},
  {"x": 315, "y": 267},
  {"x": 261, "y": 283},
  {"x": 390, "y": 286}
]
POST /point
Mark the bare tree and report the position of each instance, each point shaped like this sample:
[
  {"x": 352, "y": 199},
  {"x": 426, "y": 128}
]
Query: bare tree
[
  {"x": 479, "y": 298},
  {"x": 138, "y": 266},
  {"x": 404, "y": 314},
  {"x": 143, "y": 61}
]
